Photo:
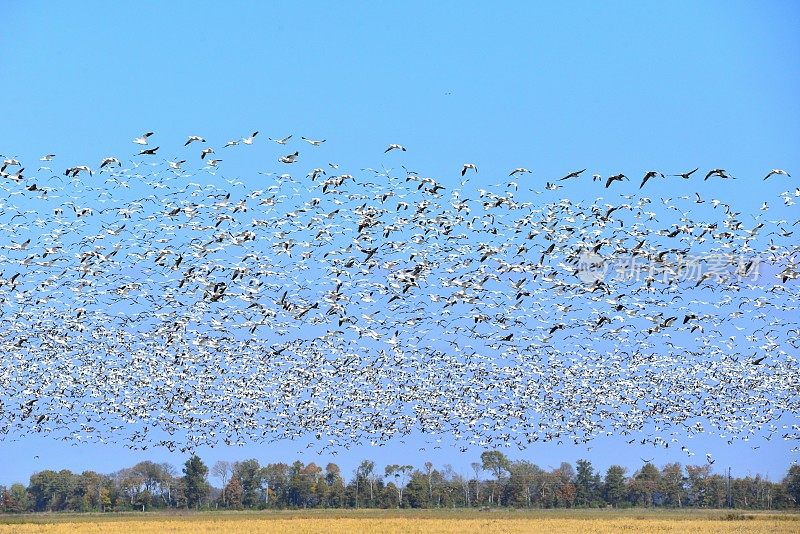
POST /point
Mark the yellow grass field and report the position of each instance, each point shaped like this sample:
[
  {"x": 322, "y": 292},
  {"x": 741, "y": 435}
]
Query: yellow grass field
[{"x": 412, "y": 521}]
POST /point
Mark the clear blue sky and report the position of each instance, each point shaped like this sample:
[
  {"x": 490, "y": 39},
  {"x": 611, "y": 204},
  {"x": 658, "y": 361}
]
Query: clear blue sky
[{"x": 612, "y": 86}]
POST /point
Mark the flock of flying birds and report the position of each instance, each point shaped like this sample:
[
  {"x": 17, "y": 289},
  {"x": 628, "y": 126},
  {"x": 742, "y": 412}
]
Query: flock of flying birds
[{"x": 162, "y": 303}]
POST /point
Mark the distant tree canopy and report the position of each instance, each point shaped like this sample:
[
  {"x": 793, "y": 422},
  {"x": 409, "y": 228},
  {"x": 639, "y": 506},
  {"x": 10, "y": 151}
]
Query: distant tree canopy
[
  {"x": 195, "y": 482},
  {"x": 515, "y": 483}
]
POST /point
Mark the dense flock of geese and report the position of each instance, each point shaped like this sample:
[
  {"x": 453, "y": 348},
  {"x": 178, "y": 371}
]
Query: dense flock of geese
[{"x": 163, "y": 303}]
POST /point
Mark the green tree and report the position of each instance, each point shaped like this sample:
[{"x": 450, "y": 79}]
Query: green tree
[
  {"x": 430, "y": 474},
  {"x": 276, "y": 481},
  {"x": 522, "y": 489},
  {"x": 250, "y": 477},
  {"x": 698, "y": 494},
  {"x": 302, "y": 490},
  {"x": 153, "y": 477},
  {"x": 614, "y": 486},
  {"x": 105, "y": 498},
  {"x": 717, "y": 491},
  {"x": 448, "y": 488},
  {"x": 15, "y": 500},
  {"x": 88, "y": 492},
  {"x": 336, "y": 488},
  {"x": 498, "y": 464},
  {"x": 586, "y": 485},
  {"x": 196, "y": 486},
  {"x": 792, "y": 484},
  {"x": 314, "y": 484},
  {"x": 51, "y": 490},
  {"x": 461, "y": 485},
  {"x": 645, "y": 484},
  {"x": 365, "y": 472},
  {"x": 401, "y": 474},
  {"x": 416, "y": 491},
  {"x": 130, "y": 484},
  {"x": 673, "y": 485}
]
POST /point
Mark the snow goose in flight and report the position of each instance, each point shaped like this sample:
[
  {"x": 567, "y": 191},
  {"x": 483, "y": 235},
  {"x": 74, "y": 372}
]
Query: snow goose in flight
[
  {"x": 315, "y": 173},
  {"x": 111, "y": 160},
  {"x": 290, "y": 158},
  {"x": 73, "y": 171},
  {"x": 777, "y": 171},
  {"x": 193, "y": 138},
  {"x": 143, "y": 139},
  {"x": 722, "y": 173},
  {"x": 648, "y": 175},
  {"x": 686, "y": 175},
  {"x": 615, "y": 178},
  {"x": 9, "y": 162},
  {"x": 573, "y": 174},
  {"x": 281, "y": 141},
  {"x": 468, "y": 166},
  {"x": 313, "y": 142},
  {"x": 13, "y": 177},
  {"x": 249, "y": 140},
  {"x": 395, "y": 146}
]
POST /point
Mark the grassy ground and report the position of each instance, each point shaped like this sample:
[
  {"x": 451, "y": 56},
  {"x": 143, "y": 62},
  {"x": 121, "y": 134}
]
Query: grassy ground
[{"x": 413, "y": 521}]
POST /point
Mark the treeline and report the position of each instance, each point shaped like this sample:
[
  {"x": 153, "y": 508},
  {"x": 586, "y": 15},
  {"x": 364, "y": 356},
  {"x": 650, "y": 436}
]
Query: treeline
[{"x": 494, "y": 481}]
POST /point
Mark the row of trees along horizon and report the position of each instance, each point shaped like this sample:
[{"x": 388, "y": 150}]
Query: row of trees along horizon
[{"x": 495, "y": 481}]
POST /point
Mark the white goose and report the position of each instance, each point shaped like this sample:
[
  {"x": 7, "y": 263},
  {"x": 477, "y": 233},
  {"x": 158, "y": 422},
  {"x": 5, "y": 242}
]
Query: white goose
[{"x": 143, "y": 139}]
